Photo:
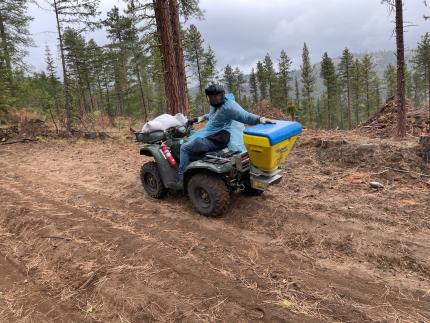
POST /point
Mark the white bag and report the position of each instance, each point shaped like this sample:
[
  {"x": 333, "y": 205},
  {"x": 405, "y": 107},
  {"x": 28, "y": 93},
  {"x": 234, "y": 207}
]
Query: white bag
[{"x": 163, "y": 122}]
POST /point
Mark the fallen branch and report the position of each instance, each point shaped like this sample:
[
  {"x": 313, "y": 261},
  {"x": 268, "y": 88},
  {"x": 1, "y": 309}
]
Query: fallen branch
[
  {"x": 407, "y": 171},
  {"x": 56, "y": 237},
  {"x": 18, "y": 141}
]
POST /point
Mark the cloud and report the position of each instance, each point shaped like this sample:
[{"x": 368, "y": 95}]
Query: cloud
[
  {"x": 253, "y": 28},
  {"x": 241, "y": 32}
]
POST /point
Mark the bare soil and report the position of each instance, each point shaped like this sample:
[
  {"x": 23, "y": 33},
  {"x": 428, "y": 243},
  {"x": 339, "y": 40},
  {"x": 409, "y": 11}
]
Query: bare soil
[{"x": 81, "y": 242}]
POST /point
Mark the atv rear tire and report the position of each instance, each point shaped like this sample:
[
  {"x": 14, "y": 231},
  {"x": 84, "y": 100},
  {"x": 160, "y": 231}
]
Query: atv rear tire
[
  {"x": 151, "y": 180},
  {"x": 209, "y": 194}
]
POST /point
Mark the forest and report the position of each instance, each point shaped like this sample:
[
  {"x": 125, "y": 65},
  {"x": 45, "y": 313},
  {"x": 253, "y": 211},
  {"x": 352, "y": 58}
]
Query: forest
[
  {"x": 126, "y": 76},
  {"x": 324, "y": 216}
]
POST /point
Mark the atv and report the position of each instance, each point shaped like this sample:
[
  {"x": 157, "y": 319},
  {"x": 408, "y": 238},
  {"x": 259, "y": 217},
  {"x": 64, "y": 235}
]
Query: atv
[{"x": 209, "y": 181}]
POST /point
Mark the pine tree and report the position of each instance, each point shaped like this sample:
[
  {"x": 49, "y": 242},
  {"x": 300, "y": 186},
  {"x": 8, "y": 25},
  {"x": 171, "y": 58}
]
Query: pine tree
[
  {"x": 345, "y": 73},
  {"x": 71, "y": 11},
  {"x": 52, "y": 101},
  {"x": 400, "y": 55},
  {"x": 118, "y": 27},
  {"x": 95, "y": 61},
  {"x": 356, "y": 88},
  {"x": 77, "y": 66},
  {"x": 328, "y": 74},
  {"x": 297, "y": 95},
  {"x": 209, "y": 70},
  {"x": 229, "y": 79},
  {"x": 172, "y": 80},
  {"x": 53, "y": 82},
  {"x": 50, "y": 65},
  {"x": 418, "y": 88},
  {"x": 239, "y": 80},
  {"x": 377, "y": 99},
  {"x": 397, "y": 7},
  {"x": 285, "y": 77},
  {"x": 408, "y": 83},
  {"x": 253, "y": 86},
  {"x": 194, "y": 53},
  {"x": 291, "y": 110},
  {"x": 262, "y": 80},
  {"x": 269, "y": 74},
  {"x": 308, "y": 80},
  {"x": 174, "y": 8},
  {"x": 368, "y": 76},
  {"x": 390, "y": 81},
  {"x": 14, "y": 39},
  {"x": 422, "y": 62},
  {"x": 136, "y": 45}
]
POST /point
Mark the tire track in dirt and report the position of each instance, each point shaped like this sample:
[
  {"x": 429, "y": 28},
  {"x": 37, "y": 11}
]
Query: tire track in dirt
[
  {"x": 192, "y": 273},
  {"x": 221, "y": 233},
  {"x": 24, "y": 300}
]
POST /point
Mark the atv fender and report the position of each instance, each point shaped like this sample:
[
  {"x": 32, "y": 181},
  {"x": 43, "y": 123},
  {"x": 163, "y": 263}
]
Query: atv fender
[
  {"x": 168, "y": 174},
  {"x": 204, "y": 167}
]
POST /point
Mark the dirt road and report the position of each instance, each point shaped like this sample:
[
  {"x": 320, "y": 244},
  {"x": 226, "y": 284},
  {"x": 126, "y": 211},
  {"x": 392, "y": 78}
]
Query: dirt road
[{"x": 81, "y": 242}]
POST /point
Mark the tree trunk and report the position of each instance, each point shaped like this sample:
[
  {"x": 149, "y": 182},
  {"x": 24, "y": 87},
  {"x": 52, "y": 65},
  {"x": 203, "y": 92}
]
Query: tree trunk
[
  {"x": 328, "y": 109},
  {"x": 171, "y": 83},
  {"x": 99, "y": 87},
  {"x": 401, "y": 106},
  {"x": 428, "y": 72},
  {"x": 90, "y": 93},
  {"x": 357, "y": 99},
  {"x": 6, "y": 55},
  {"x": 367, "y": 97},
  {"x": 142, "y": 96},
  {"x": 349, "y": 99},
  {"x": 180, "y": 62},
  {"x": 66, "y": 81},
  {"x": 81, "y": 85},
  {"x": 199, "y": 74}
]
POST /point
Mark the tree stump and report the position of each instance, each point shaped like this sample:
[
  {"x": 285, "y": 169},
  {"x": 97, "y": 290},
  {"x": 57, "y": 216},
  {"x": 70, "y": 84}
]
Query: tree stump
[{"x": 425, "y": 144}]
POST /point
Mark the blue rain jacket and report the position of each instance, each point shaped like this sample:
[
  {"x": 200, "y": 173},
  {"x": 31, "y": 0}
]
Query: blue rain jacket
[{"x": 231, "y": 117}]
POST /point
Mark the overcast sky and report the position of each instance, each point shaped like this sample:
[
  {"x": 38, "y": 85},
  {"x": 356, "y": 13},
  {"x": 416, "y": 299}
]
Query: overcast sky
[{"x": 243, "y": 31}]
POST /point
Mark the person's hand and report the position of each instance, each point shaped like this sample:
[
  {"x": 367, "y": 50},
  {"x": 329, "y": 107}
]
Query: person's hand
[
  {"x": 192, "y": 121},
  {"x": 264, "y": 120}
]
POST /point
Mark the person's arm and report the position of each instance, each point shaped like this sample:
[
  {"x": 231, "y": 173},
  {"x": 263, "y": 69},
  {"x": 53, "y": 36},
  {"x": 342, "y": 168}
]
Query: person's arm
[
  {"x": 237, "y": 113},
  {"x": 204, "y": 117}
]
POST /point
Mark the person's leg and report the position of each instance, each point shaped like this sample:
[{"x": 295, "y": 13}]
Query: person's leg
[
  {"x": 192, "y": 148},
  {"x": 185, "y": 152}
]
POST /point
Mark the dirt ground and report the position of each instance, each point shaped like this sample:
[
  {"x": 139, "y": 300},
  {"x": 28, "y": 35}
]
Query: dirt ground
[{"x": 81, "y": 242}]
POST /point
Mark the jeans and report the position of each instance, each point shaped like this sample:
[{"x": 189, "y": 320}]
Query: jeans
[{"x": 195, "y": 149}]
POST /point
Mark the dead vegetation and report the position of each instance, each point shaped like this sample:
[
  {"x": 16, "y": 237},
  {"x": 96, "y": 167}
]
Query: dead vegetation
[
  {"x": 264, "y": 109},
  {"x": 383, "y": 124},
  {"x": 324, "y": 245}
]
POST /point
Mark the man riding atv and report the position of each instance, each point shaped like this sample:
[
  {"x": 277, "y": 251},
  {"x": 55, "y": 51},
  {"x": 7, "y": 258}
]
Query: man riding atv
[
  {"x": 209, "y": 174},
  {"x": 224, "y": 128}
]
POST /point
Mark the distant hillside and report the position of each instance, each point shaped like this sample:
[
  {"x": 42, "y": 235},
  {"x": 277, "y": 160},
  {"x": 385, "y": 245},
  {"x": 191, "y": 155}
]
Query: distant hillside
[{"x": 381, "y": 59}]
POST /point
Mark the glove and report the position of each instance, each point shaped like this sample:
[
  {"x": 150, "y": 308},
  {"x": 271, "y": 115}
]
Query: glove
[
  {"x": 200, "y": 119},
  {"x": 190, "y": 122},
  {"x": 266, "y": 121}
]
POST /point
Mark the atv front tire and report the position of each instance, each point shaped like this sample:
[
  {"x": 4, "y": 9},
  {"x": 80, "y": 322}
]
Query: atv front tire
[
  {"x": 151, "y": 180},
  {"x": 209, "y": 194}
]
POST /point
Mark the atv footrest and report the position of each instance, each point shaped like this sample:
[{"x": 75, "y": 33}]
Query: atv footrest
[{"x": 219, "y": 157}]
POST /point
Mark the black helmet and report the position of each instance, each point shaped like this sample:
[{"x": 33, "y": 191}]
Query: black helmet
[{"x": 214, "y": 88}]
